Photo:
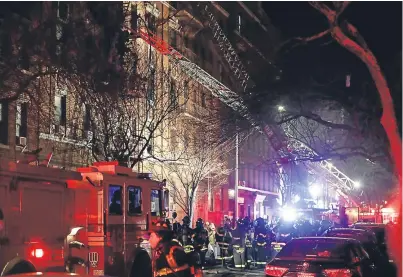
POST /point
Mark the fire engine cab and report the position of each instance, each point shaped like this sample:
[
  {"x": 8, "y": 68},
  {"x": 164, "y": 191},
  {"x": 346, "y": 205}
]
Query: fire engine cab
[{"x": 93, "y": 221}]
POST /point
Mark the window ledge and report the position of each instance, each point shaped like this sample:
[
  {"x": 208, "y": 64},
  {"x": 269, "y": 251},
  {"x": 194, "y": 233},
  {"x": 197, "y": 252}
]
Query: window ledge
[
  {"x": 4, "y": 146},
  {"x": 57, "y": 138}
]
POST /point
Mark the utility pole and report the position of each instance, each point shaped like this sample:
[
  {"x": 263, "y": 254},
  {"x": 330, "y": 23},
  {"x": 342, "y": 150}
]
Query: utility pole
[{"x": 236, "y": 174}]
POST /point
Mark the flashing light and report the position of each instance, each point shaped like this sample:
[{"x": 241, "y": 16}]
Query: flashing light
[
  {"x": 289, "y": 214},
  {"x": 37, "y": 253},
  {"x": 357, "y": 185},
  {"x": 314, "y": 190},
  {"x": 281, "y": 108}
]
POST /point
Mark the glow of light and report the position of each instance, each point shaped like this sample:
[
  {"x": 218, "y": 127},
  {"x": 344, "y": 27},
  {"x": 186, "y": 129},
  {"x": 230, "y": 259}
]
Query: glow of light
[
  {"x": 288, "y": 214},
  {"x": 314, "y": 190},
  {"x": 296, "y": 198},
  {"x": 330, "y": 165},
  {"x": 281, "y": 108},
  {"x": 357, "y": 185},
  {"x": 388, "y": 210},
  {"x": 231, "y": 193}
]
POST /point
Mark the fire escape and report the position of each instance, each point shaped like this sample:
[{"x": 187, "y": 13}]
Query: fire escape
[{"x": 287, "y": 150}]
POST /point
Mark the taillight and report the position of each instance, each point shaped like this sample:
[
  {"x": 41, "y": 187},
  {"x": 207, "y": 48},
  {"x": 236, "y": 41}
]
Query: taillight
[
  {"x": 37, "y": 253},
  {"x": 342, "y": 272},
  {"x": 275, "y": 271}
]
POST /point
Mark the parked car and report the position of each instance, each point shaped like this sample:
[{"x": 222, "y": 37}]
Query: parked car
[
  {"x": 321, "y": 256},
  {"x": 378, "y": 229},
  {"x": 370, "y": 244}
]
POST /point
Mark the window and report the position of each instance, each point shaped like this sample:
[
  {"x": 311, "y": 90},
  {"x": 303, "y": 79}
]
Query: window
[
  {"x": 150, "y": 22},
  {"x": 174, "y": 4},
  {"x": 220, "y": 72},
  {"x": 114, "y": 200},
  {"x": 203, "y": 99},
  {"x": 151, "y": 82},
  {"x": 4, "y": 122},
  {"x": 239, "y": 24},
  {"x": 172, "y": 38},
  {"x": 186, "y": 90},
  {"x": 87, "y": 117},
  {"x": 186, "y": 41},
  {"x": 155, "y": 202},
  {"x": 60, "y": 109},
  {"x": 62, "y": 10},
  {"x": 21, "y": 120},
  {"x": 174, "y": 141},
  {"x": 172, "y": 94},
  {"x": 134, "y": 18},
  {"x": 134, "y": 200},
  {"x": 166, "y": 200}
]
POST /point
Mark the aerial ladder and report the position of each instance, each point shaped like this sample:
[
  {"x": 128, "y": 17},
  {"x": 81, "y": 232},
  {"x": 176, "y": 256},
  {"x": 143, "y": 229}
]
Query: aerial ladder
[{"x": 276, "y": 136}]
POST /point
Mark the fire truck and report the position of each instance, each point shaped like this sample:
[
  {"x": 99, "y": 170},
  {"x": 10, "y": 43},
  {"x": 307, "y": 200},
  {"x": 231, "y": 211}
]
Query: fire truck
[{"x": 94, "y": 220}]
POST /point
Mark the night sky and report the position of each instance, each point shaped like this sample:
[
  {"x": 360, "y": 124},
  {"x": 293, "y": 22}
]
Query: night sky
[{"x": 380, "y": 23}]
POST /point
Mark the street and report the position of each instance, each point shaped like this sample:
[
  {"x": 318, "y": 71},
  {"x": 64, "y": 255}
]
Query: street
[{"x": 219, "y": 271}]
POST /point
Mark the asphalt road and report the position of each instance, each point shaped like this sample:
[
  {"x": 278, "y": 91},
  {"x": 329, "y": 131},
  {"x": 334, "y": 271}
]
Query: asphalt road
[{"x": 219, "y": 271}]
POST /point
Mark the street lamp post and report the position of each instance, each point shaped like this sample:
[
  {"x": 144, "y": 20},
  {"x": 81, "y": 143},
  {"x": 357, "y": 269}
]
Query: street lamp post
[{"x": 236, "y": 174}]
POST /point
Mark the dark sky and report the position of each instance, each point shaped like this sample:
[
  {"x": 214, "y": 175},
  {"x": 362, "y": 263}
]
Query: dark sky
[{"x": 380, "y": 23}]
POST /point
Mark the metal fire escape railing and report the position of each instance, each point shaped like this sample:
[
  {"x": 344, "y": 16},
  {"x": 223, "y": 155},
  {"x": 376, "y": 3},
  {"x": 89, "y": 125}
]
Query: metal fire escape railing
[{"x": 275, "y": 134}]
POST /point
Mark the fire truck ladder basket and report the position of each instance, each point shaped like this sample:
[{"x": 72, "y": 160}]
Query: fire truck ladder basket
[{"x": 219, "y": 90}]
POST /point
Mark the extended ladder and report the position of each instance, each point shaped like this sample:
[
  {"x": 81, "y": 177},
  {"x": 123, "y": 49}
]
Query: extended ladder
[{"x": 226, "y": 95}]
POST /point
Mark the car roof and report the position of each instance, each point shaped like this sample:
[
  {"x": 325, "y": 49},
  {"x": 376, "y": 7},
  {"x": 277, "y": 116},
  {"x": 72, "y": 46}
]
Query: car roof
[
  {"x": 325, "y": 239},
  {"x": 362, "y": 224},
  {"x": 350, "y": 230},
  {"x": 51, "y": 274}
]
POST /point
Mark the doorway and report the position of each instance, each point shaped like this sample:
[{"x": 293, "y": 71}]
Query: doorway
[{"x": 241, "y": 210}]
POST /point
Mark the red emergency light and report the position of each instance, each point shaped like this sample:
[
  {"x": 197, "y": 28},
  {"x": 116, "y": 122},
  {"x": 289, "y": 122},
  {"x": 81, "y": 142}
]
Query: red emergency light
[{"x": 37, "y": 253}]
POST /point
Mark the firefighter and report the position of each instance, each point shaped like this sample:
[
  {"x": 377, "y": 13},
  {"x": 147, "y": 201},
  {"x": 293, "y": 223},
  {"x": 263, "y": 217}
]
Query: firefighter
[
  {"x": 176, "y": 226},
  {"x": 260, "y": 242},
  {"x": 200, "y": 240},
  {"x": 238, "y": 244},
  {"x": 186, "y": 234},
  {"x": 169, "y": 258},
  {"x": 222, "y": 244},
  {"x": 248, "y": 241}
]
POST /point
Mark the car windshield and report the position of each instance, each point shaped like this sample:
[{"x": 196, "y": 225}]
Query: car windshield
[{"x": 313, "y": 249}]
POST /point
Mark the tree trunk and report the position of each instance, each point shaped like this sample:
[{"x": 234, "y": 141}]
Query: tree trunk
[
  {"x": 192, "y": 206},
  {"x": 389, "y": 123}
]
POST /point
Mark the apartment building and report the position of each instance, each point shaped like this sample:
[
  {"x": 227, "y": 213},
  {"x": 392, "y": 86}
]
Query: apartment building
[
  {"x": 65, "y": 125},
  {"x": 248, "y": 29}
]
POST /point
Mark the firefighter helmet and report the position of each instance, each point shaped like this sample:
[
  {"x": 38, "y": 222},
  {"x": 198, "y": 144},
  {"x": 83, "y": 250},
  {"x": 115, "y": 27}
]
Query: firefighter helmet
[
  {"x": 186, "y": 220},
  {"x": 199, "y": 223}
]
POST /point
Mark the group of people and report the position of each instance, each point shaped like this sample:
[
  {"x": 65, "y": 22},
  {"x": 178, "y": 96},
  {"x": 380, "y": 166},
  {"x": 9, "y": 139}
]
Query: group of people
[{"x": 184, "y": 251}]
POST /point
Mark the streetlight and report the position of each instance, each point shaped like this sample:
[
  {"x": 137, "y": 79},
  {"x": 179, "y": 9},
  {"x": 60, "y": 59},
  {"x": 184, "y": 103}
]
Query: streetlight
[
  {"x": 357, "y": 185},
  {"x": 281, "y": 108},
  {"x": 314, "y": 190}
]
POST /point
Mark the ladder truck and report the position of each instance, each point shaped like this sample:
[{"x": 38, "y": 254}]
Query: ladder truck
[{"x": 275, "y": 135}]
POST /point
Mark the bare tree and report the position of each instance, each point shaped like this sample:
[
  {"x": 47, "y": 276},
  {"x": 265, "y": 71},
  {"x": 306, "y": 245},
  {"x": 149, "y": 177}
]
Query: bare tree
[
  {"x": 348, "y": 36},
  {"x": 202, "y": 158}
]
